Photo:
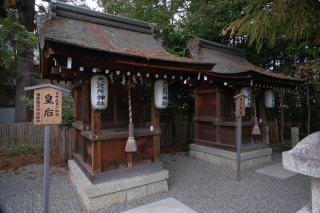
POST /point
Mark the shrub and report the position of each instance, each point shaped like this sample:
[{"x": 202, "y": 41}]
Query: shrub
[{"x": 19, "y": 149}]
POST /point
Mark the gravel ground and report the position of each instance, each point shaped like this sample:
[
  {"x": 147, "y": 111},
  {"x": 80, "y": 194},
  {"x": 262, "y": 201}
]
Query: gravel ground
[{"x": 201, "y": 186}]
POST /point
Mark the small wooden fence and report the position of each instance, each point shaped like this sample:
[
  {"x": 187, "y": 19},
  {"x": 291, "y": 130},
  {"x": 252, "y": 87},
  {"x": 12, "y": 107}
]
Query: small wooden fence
[{"x": 61, "y": 138}]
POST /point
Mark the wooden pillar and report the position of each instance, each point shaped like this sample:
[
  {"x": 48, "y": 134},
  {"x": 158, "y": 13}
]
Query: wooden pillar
[
  {"x": 76, "y": 141},
  {"x": 95, "y": 121},
  {"x": 75, "y": 100},
  {"x": 115, "y": 104},
  {"x": 96, "y": 156},
  {"x": 196, "y": 114},
  {"x": 96, "y": 145},
  {"x": 218, "y": 111},
  {"x": 236, "y": 92},
  {"x": 86, "y": 104},
  {"x": 155, "y": 122},
  {"x": 262, "y": 115}
]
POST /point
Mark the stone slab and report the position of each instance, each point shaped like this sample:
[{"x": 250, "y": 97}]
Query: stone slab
[
  {"x": 229, "y": 159},
  {"x": 168, "y": 205},
  {"x": 277, "y": 171},
  {"x": 195, "y": 151},
  {"x": 306, "y": 209},
  {"x": 99, "y": 196}
]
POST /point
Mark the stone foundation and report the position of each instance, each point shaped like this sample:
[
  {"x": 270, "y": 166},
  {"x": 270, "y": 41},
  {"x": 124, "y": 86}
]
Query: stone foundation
[
  {"x": 229, "y": 159},
  {"x": 99, "y": 196}
]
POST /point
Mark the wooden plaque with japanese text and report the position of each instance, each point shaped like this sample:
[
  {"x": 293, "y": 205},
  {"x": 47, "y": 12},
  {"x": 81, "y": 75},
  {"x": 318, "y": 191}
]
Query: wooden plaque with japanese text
[
  {"x": 241, "y": 109},
  {"x": 47, "y": 106}
]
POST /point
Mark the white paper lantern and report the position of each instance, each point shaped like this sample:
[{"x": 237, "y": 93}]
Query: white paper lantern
[
  {"x": 99, "y": 92},
  {"x": 269, "y": 98},
  {"x": 246, "y": 91},
  {"x": 161, "y": 95}
]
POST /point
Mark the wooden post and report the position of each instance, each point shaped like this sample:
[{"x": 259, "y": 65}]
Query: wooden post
[
  {"x": 129, "y": 159},
  {"x": 155, "y": 122},
  {"x": 115, "y": 105},
  {"x": 196, "y": 113},
  {"x": 46, "y": 168},
  {"x": 239, "y": 129},
  {"x": 282, "y": 117},
  {"x": 96, "y": 158},
  {"x": 262, "y": 115},
  {"x": 96, "y": 145},
  {"x": 75, "y": 100},
  {"x": 86, "y": 104},
  {"x": 236, "y": 92},
  {"x": 95, "y": 121},
  {"x": 218, "y": 111},
  {"x": 240, "y": 111}
]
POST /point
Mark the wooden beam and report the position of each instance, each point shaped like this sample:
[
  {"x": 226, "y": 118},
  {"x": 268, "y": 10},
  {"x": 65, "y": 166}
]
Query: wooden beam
[{"x": 118, "y": 135}]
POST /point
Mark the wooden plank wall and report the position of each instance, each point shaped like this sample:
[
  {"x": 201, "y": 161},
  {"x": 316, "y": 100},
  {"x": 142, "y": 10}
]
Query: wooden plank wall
[
  {"x": 61, "y": 138},
  {"x": 178, "y": 134}
]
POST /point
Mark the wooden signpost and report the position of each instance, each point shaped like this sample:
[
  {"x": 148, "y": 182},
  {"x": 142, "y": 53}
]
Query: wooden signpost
[
  {"x": 47, "y": 106},
  {"x": 240, "y": 111},
  {"x": 47, "y": 110}
]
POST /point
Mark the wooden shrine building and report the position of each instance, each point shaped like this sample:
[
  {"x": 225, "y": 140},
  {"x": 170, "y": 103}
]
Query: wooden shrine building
[
  {"x": 215, "y": 119},
  {"x": 77, "y": 43}
]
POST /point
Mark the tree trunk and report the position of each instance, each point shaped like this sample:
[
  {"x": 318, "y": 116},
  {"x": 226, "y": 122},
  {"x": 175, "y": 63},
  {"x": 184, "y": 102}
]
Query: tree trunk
[
  {"x": 26, "y": 14},
  {"x": 282, "y": 118},
  {"x": 164, "y": 3}
]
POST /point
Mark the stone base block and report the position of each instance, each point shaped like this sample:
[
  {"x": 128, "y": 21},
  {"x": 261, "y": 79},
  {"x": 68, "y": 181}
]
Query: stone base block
[
  {"x": 229, "y": 159},
  {"x": 306, "y": 209},
  {"x": 99, "y": 196}
]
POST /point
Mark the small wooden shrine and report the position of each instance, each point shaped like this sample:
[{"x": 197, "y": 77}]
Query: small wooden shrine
[
  {"x": 76, "y": 44},
  {"x": 215, "y": 118}
]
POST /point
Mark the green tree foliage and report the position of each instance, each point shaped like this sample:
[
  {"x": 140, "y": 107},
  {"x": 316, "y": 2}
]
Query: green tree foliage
[
  {"x": 207, "y": 19},
  {"x": 14, "y": 39},
  {"x": 264, "y": 20}
]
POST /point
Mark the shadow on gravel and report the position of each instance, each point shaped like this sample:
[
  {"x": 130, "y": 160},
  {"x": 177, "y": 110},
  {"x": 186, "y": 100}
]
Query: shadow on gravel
[{"x": 1, "y": 209}]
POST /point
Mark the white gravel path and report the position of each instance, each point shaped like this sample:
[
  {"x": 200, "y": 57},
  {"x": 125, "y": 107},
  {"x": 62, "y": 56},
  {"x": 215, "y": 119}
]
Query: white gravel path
[{"x": 201, "y": 186}]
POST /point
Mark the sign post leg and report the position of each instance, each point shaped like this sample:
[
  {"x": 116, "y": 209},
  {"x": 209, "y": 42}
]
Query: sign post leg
[
  {"x": 239, "y": 148},
  {"x": 46, "y": 168}
]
